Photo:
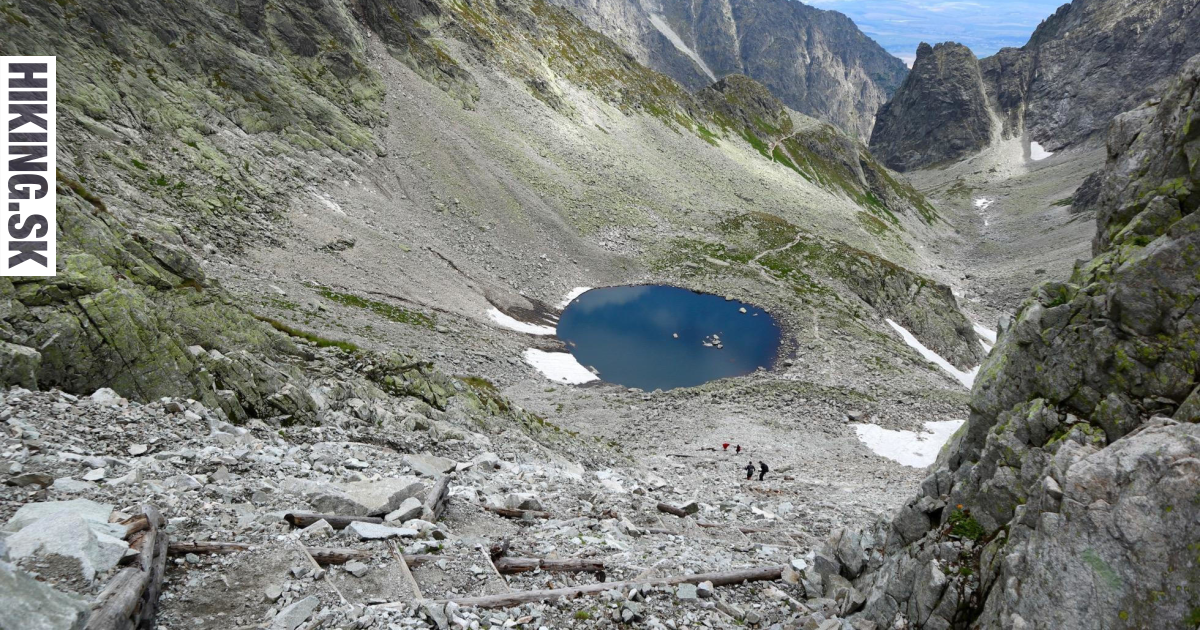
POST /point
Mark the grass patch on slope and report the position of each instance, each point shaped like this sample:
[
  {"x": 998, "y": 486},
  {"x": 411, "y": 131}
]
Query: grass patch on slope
[
  {"x": 317, "y": 340},
  {"x": 383, "y": 309}
]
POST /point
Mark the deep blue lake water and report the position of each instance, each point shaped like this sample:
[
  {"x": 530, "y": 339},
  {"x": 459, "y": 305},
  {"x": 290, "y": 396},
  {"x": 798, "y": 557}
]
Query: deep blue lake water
[{"x": 660, "y": 337}]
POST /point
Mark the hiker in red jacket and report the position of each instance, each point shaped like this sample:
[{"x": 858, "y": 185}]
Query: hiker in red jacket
[{"x": 725, "y": 446}]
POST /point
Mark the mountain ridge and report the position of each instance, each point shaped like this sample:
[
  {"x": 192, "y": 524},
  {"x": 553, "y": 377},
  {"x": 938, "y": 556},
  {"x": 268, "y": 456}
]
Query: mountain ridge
[{"x": 816, "y": 61}]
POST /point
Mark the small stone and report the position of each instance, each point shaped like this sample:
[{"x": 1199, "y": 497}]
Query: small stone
[
  {"x": 704, "y": 589},
  {"x": 95, "y": 474},
  {"x": 523, "y": 501},
  {"x": 356, "y": 568},
  {"x": 192, "y": 558},
  {"x": 430, "y": 465},
  {"x": 371, "y": 531},
  {"x": 291, "y": 617},
  {"x": 273, "y": 592},
  {"x": 138, "y": 449},
  {"x": 686, "y": 592},
  {"x": 106, "y": 396},
  {"x": 408, "y": 510},
  {"x": 40, "y": 480}
]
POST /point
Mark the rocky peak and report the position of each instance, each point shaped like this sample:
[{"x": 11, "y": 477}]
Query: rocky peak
[
  {"x": 1083, "y": 65},
  {"x": 939, "y": 113}
]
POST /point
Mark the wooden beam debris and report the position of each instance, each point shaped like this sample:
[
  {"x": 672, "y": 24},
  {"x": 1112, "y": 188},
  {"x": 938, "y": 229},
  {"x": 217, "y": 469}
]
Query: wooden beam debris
[
  {"x": 436, "y": 500},
  {"x": 130, "y": 599},
  {"x": 517, "y": 514},
  {"x": 509, "y": 600},
  {"x": 671, "y": 509},
  {"x": 301, "y": 520},
  {"x": 509, "y": 566}
]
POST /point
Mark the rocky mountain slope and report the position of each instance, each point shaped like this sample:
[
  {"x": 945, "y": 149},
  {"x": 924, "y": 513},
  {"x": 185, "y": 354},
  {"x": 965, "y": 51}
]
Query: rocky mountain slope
[
  {"x": 1090, "y": 61},
  {"x": 1069, "y": 497},
  {"x": 818, "y": 62},
  {"x": 286, "y": 231},
  {"x": 140, "y": 167}
]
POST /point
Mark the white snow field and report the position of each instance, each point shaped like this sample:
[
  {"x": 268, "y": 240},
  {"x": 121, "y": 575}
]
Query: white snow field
[
  {"x": 559, "y": 366},
  {"x": 966, "y": 378},
  {"x": 510, "y": 323},
  {"x": 987, "y": 338},
  {"x": 1037, "y": 153},
  {"x": 572, "y": 294},
  {"x": 909, "y": 448}
]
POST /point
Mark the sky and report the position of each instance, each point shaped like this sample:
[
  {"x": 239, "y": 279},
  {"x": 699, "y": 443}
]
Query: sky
[{"x": 984, "y": 26}]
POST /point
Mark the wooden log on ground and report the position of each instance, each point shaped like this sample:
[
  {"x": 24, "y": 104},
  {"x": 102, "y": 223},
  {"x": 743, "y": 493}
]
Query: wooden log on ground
[
  {"x": 304, "y": 519},
  {"x": 205, "y": 548},
  {"x": 744, "y": 530},
  {"x": 135, "y": 524},
  {"x": 323, "y": 555},
  {"x": 436, "y": 500},
  {"x": 671, "y": 509},
  {"x": 338, "y": 555},
  {"x": 510, "y": 566},
  {"x": 508, "y": 600},
  {"x": 408, "y": 576},
  {"x": 518, "y": 514},
  {"x": 130, "y": 599}
]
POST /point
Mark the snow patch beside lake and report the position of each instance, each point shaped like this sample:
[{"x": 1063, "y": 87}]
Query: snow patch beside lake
[
  {"x": 510, "y": 323},
  {"x": 966, "y": 378},
  {"x": 1037, "y": 153},
  {"x": 908, "y": 448},
  {"x": 574, "y": 293},
  {"x": 559, "y": 366}
]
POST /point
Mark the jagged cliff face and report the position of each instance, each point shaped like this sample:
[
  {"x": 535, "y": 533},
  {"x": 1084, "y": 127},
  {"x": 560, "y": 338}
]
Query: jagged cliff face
[
  {"x": 1069, "y": 499},
  {"x": 1097, "y": 58},
  {"x": 817, "y": 62},
  {"x": 939, "y": 113},
  {"x": 1090, "y": 61}
]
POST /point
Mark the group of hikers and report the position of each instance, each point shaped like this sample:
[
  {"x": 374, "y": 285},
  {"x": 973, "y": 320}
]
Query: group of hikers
[{"x": 762, "y": 466}]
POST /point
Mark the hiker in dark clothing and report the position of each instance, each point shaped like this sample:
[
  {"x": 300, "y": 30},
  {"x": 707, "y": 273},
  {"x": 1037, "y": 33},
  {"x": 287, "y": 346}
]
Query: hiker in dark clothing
[
  {"x": 739, "y": 450},
  {"x": 762, "y": 470},
  {"x": 749, "y": 471}
]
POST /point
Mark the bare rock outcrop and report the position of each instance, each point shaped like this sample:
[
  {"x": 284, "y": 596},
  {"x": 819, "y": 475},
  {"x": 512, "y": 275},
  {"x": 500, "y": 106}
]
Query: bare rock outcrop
[
  {"x": 940, "y": 112},
  {"x": 1069, "y": 498}
]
